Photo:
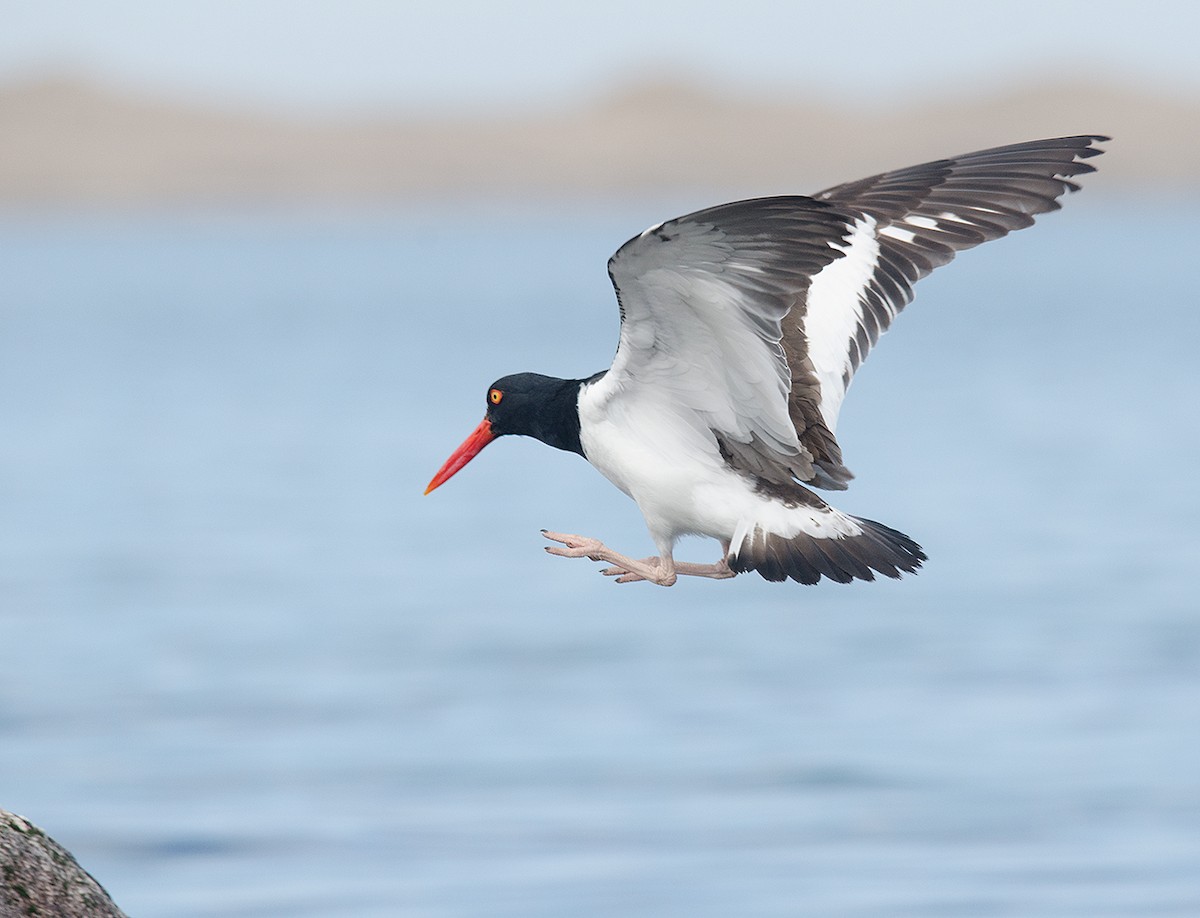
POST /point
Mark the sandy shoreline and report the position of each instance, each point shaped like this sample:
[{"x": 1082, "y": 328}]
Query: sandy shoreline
[{"x": 70, "y": 143}]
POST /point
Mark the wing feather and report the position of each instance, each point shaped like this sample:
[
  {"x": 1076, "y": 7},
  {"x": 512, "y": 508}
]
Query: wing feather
[
  {"x": 751, "y": 318},
  {"x": 702, "y": 301},
  {"x": 923, "y": 216}
]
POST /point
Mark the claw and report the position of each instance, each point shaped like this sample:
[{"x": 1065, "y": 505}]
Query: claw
[
  {"x": 576, "y": 546},
  {"x": 622, "y": 575}
]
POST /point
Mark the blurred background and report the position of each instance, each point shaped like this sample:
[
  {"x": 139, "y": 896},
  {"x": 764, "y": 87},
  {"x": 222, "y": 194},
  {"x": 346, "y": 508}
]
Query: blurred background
[{"x": 259, "y": 262}]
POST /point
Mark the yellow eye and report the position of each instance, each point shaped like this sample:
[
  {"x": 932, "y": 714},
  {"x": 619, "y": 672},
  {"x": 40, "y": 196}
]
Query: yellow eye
[{"x": 494, "y": 396}]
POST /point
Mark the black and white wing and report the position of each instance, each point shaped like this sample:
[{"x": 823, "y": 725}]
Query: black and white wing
[
  {"x": 752, "y": 317},
  {"x": 906, "y": 223},
  {"x": 702, "y": 301}
]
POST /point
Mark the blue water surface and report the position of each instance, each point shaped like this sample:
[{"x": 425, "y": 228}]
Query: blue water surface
[{"x": 249, "y": 670}]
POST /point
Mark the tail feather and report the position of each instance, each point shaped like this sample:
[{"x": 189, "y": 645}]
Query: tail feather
[
  {"x": 818, "y": 558},
  {"x": 806, "y": 558},
  {"x": 851, "y": 562}
]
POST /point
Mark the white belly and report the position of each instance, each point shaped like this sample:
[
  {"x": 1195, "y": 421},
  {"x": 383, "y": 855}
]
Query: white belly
[
  {"x": 679, "y": 480},
  {"x": 673, "y": 472}
]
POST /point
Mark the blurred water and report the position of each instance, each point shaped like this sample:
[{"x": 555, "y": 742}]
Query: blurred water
[{"x": 250, "y": 670}]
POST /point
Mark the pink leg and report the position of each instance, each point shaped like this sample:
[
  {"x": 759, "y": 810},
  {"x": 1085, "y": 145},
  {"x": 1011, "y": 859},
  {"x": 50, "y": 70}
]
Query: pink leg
[
  {"x": 660, "y": 570},
  {"x": 718, "y": 571}
]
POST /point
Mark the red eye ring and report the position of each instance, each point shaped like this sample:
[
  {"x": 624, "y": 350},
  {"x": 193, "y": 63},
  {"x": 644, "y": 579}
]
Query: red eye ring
[{"x": 495, "y": 396}]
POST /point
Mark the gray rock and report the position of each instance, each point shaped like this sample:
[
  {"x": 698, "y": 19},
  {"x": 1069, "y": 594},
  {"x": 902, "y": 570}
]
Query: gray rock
[{"x": 39, "y": 877}]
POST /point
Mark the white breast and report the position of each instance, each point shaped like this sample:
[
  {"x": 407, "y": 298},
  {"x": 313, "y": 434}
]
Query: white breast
[{"x": 651, "y": 452}]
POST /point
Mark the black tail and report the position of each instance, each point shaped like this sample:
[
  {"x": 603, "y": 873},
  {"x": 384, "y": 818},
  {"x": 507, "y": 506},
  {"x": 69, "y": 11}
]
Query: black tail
[{"x": 877, "y": 549}]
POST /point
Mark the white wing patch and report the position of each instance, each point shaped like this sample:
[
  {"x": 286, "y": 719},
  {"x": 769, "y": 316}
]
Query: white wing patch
[
  {"x": 834, "y": 312},
  {"x": 921, "y": 221},
  {"x": 899, "y": 233}
]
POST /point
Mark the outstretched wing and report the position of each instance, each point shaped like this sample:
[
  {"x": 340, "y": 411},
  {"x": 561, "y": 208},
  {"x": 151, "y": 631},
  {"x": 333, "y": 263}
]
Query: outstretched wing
[
  {"x": 907, "y": 223},
  {"x": 750, "y": 318},
  {"x": 702, "y": 301}
]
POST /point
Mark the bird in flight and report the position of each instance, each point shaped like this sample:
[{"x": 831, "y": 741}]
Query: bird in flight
[{"x": 741, "y": 328}]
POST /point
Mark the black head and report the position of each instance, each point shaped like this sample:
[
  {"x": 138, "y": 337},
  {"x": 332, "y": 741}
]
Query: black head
[
  {"x": 527, "y": 404},
  {"x": 532, "y": 405}
]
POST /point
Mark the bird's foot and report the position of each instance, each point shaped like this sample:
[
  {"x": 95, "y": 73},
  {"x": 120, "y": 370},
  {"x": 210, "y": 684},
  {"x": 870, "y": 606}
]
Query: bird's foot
[
  {"x": 625, "y": 569},
  {"x": 624, "y": 576},
  {"x": 576, "y": 546}
]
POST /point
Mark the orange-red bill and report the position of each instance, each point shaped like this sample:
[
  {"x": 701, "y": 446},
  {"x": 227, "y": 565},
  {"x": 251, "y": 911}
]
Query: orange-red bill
[{"x": 480, "y": 437}]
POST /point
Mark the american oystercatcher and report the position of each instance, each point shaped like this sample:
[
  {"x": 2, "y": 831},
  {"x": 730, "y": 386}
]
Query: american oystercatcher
[{"x": 741, "y": 328}]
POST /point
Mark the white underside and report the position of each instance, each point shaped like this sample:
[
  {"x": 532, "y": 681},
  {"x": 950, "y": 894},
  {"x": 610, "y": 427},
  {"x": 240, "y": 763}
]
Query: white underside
[{"x": 677, "y": 477}]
